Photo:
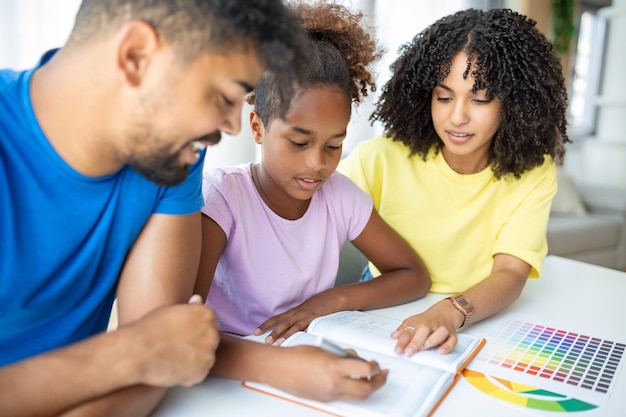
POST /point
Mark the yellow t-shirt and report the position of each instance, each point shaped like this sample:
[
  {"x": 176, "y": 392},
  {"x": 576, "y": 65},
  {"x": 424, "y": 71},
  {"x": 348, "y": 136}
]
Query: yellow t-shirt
[{"x": 455, "y": 222}]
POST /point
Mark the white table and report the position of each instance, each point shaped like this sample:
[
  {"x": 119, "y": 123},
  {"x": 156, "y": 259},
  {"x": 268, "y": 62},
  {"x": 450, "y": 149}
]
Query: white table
[{"x": 569, "y": 295}]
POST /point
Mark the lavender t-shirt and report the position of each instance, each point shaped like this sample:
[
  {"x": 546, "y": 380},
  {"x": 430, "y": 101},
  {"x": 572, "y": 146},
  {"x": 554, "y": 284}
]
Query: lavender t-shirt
[{"x": 271, "y": 264}]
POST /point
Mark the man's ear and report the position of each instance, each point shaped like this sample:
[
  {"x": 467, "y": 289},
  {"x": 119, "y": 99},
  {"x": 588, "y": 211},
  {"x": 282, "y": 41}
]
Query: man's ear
[
  {"x": 138, "y": 42},
  {"x": 257, "y": 127}
]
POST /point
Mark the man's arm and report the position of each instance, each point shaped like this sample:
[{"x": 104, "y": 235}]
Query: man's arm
[
  {"x": 161, "y": 267},
  {"x": 160, "y": 270},
  {"x": 170, "y": 346},
  {"x": 50, "y": 383}
]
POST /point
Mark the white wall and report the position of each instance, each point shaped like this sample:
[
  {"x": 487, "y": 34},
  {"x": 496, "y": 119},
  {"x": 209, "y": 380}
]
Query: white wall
[{"x": 28, "y": 28}]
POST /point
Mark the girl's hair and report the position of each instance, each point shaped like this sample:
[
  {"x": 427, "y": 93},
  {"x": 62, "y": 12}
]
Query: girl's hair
[
  {"x": 339, "y": 51},
  {"x": 510, "y": 59}
]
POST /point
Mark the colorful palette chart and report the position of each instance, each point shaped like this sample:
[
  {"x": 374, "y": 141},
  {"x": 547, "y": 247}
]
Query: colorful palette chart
[
  {"x": 558, "y": 355},
  {"x": 525, "y": 395}
]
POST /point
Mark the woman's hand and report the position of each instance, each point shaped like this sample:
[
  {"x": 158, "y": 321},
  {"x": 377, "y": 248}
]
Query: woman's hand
[{"x": 434, "y": 327}]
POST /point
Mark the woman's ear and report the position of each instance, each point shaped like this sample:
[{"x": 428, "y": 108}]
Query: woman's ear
[{"x": 257, "y": 127}]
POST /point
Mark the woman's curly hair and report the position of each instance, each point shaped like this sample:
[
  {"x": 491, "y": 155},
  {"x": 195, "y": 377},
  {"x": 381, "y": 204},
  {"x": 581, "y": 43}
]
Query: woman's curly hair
[
  {"x": 510, "y": 59},
  {"x": 340, "y": 50}
]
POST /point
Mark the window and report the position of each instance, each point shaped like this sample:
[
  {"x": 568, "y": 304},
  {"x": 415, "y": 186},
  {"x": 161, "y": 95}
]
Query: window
[{"x": 585, "y": 80}]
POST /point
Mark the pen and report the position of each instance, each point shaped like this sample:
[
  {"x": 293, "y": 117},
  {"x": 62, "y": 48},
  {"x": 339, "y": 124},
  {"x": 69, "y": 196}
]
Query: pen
[{"x": 337, "y": 350}]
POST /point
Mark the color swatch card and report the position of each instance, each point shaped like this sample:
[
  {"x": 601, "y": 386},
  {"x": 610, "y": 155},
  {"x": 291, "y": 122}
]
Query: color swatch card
[{"x": 546, "y": 368}]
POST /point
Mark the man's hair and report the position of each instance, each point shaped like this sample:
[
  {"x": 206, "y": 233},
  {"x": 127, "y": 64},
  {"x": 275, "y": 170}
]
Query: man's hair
[
  {"x": 340, "y": 50},
  {"x": 194, "y": 27},
  {"x": 508, "y": 58}
]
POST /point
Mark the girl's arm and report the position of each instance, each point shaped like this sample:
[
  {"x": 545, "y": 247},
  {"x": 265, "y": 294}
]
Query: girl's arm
[
  {"x": 403, "y": 278},
  {"x": 403, "y": 275},
  {"x": 306, "y": 371},
  {"x": 213, "y": 244}
]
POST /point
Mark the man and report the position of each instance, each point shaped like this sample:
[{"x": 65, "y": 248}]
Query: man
[{"x": 100, "y": 164}]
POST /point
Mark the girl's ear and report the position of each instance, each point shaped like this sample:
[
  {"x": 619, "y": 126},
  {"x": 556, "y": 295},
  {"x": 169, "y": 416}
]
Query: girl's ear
[{"x": 256, "y": 125}]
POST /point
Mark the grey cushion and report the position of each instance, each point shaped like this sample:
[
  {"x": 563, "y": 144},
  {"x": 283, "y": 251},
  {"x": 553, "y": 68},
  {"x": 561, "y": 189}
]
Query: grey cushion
[
  {"x": 351, "y": 265},
  {"x": 570, "y": 234},
  {"x": 567, "y": 199}
]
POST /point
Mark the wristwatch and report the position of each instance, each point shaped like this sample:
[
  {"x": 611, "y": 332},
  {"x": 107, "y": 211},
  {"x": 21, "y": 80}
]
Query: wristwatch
[{"x": 464, "y": 305}]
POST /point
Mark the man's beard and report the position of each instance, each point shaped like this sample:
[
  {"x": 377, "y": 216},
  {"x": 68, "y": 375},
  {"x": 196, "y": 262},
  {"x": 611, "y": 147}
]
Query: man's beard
[{"x": 163, "y": 171}]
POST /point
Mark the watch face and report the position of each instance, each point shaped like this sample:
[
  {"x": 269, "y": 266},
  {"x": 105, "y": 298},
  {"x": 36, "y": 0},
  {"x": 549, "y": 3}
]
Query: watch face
[{"x": 464, "y": 305}]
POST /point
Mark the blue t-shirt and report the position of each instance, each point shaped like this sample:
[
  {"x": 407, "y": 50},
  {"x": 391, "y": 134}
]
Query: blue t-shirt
[{"x": 64, "y": 236}]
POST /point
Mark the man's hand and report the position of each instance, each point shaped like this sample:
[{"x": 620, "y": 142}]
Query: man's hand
[{"x": 176, "y": 344}]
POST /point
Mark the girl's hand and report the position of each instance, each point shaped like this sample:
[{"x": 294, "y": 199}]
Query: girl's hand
[
  {"x": 298, "y": 318},
  {"x": 314, "y": 373}
]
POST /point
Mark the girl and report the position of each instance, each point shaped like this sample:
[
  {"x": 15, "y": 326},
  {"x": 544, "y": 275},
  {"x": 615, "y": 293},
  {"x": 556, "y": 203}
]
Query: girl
[
  {"x": 474, "y": 119},
  {"x": 273, "y": 230}
]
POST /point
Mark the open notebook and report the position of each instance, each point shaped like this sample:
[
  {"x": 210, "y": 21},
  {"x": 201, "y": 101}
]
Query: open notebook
[{"x": 414, "y": 387}]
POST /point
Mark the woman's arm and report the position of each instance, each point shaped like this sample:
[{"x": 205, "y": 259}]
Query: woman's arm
[
  {"x": 213, "y": 244},
  {"x": 437, "y": 326}
]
